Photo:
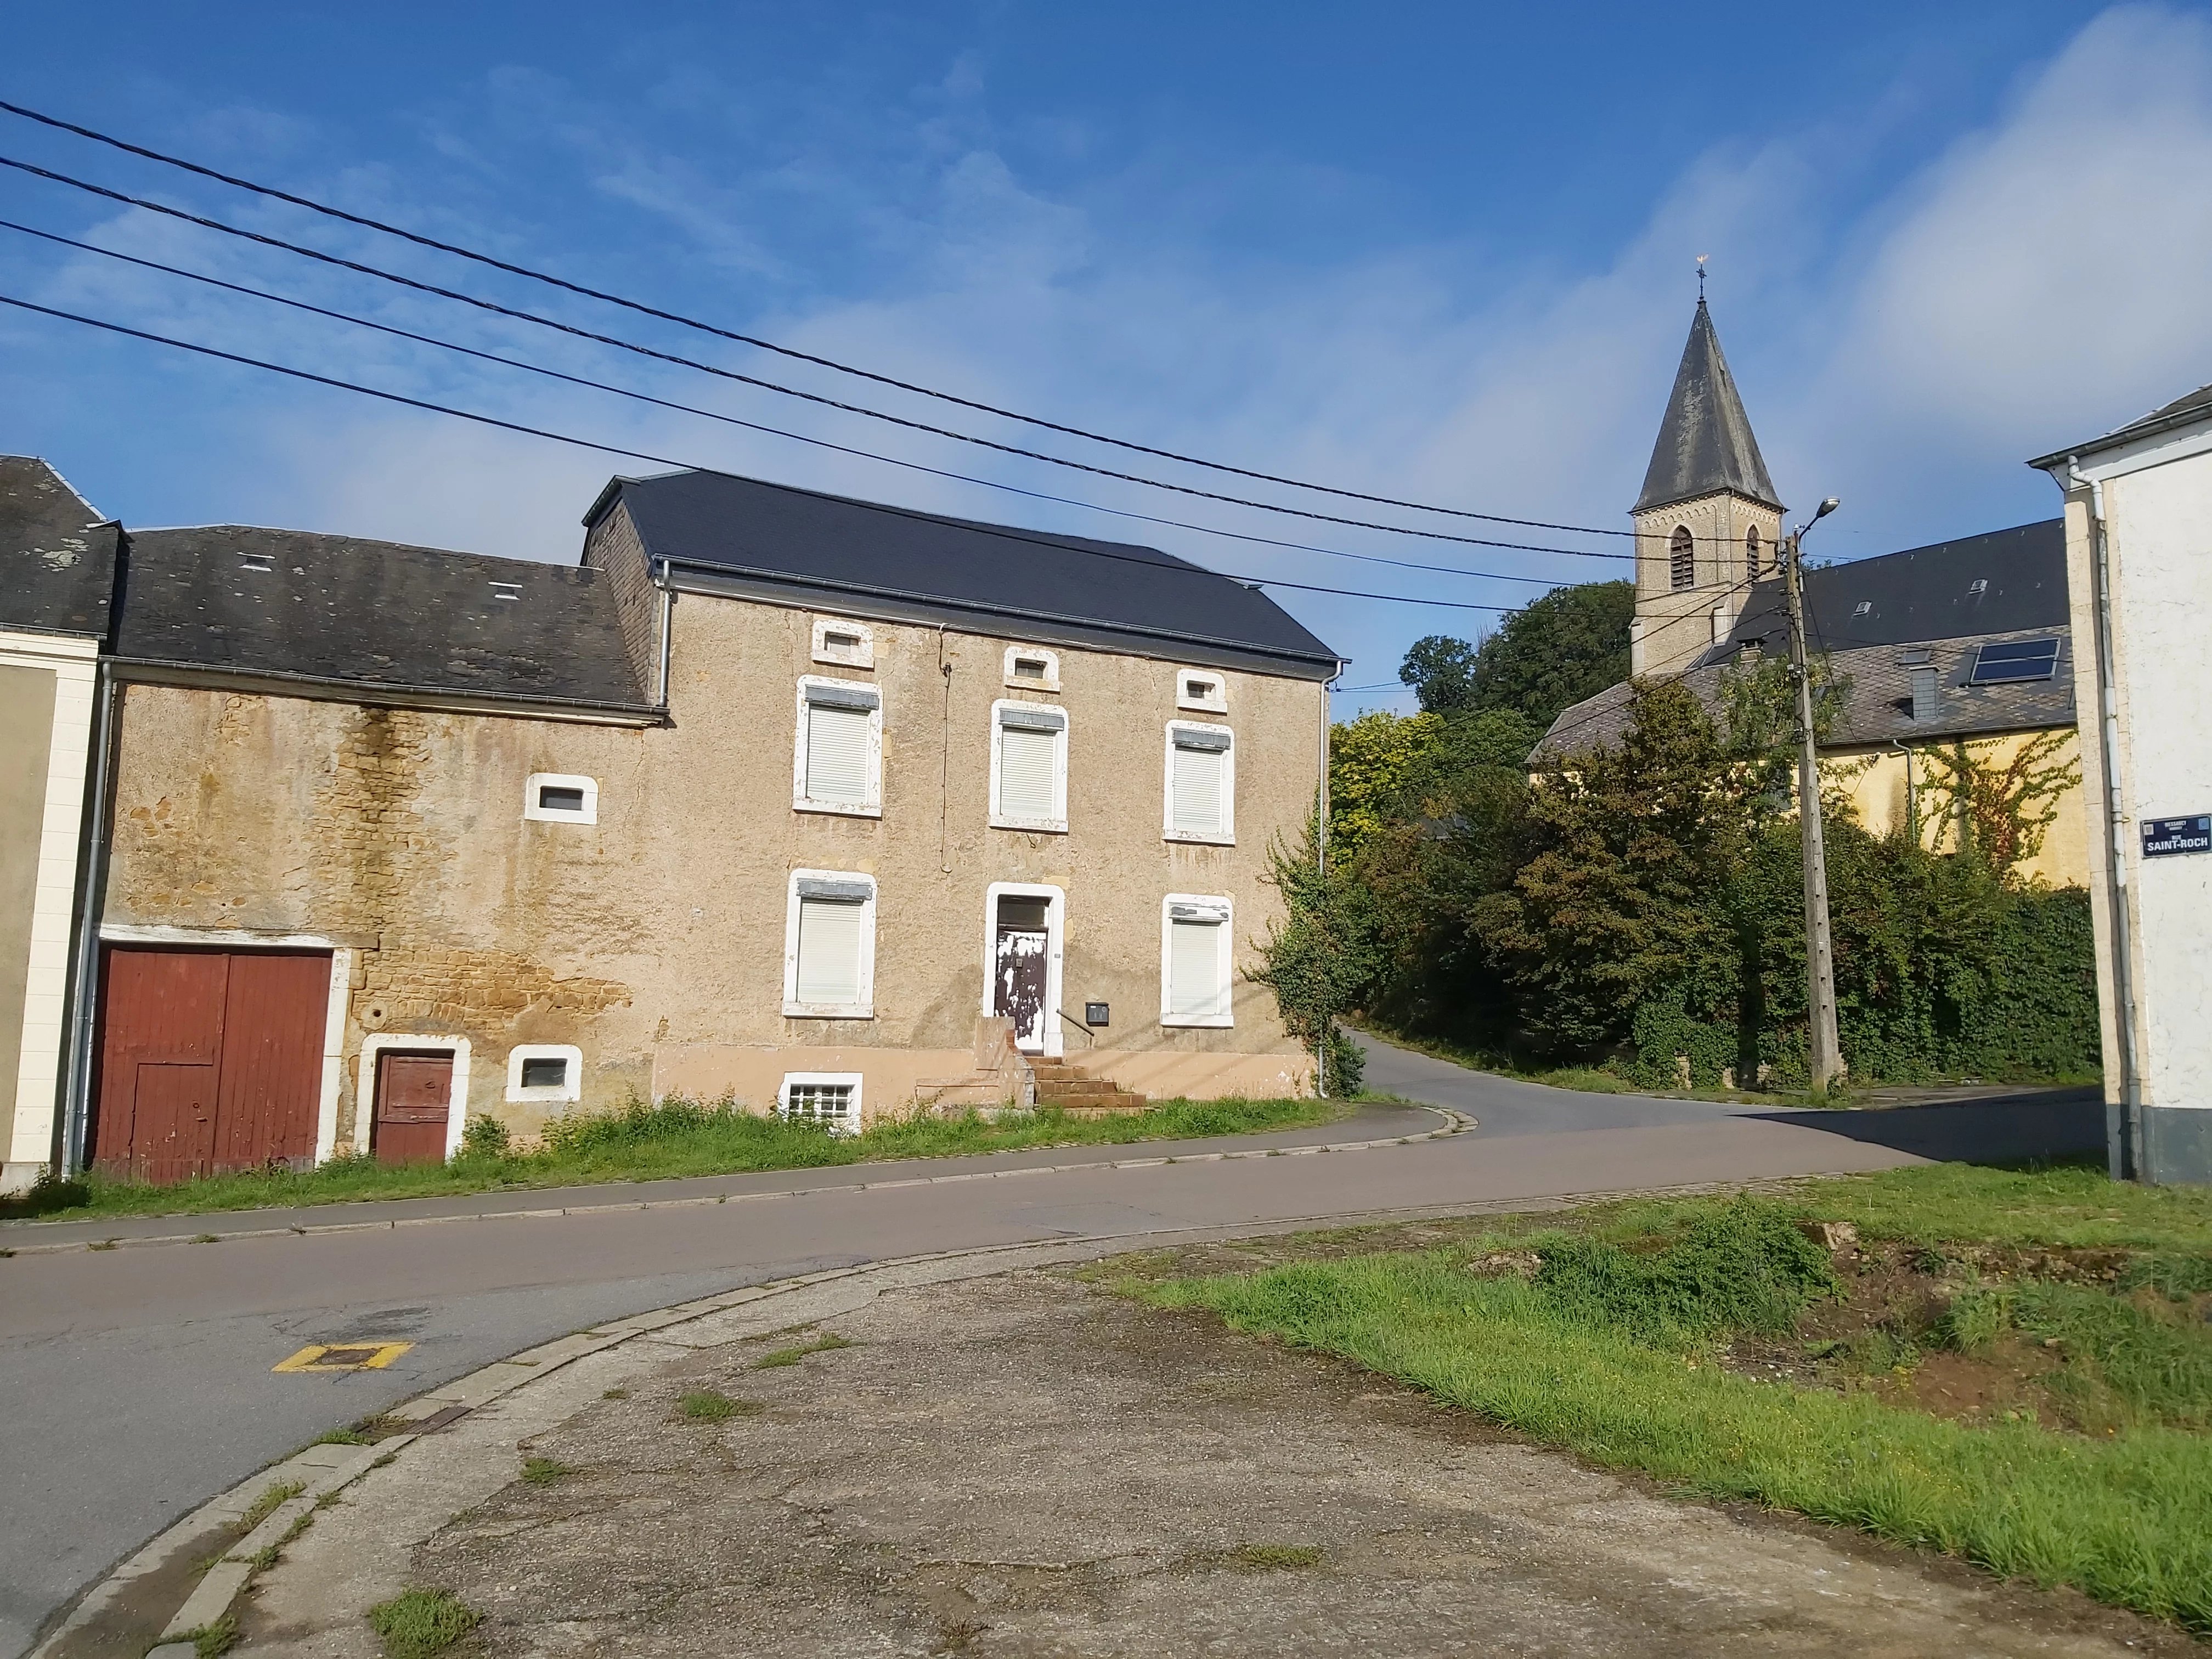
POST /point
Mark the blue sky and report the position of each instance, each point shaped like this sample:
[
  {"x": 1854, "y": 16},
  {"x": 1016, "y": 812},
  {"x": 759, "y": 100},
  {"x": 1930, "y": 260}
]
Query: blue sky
[{"x": 1441, "y": 252}]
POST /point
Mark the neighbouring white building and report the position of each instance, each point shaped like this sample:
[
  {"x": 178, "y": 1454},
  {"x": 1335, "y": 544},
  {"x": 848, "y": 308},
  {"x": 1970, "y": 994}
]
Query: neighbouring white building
[{"x": 2139, "y": 572}]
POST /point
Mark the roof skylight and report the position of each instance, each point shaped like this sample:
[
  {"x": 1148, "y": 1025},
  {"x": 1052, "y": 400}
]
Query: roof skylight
[{"x": 2004, "y": 662}]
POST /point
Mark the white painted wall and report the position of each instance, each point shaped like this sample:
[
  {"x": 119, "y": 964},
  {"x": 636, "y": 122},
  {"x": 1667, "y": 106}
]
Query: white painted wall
[{"x": 2157, "y": 504}]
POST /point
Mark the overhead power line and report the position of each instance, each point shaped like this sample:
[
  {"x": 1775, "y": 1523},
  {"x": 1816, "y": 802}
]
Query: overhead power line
[
  {"x": 1002, "y": 532},
  {"x": 754, "y": 426},
  {"x": 755, "y": 381},
  {"x": 643, "y": 309}
]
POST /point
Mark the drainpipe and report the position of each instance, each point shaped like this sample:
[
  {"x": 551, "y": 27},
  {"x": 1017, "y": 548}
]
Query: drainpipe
[
  {"x": 69, "y": 1149},
  {"x": 1911, "y": 793},
  {"x": 667, "y": 619},
  {"x": 2127, "y": 1158}
]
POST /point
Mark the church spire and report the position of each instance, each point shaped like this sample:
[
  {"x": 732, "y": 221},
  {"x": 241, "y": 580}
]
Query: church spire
[{"x": 1705, "y": 444}]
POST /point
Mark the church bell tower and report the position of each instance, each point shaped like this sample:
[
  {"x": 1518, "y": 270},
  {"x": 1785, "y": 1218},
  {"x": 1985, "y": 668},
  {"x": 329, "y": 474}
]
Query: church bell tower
[{"x": 1708, "y": 522}]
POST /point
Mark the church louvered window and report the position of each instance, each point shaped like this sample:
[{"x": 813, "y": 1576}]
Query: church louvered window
[
  {"x": 1682, "y": 559},
  {"x": 1751, "y": 551}
]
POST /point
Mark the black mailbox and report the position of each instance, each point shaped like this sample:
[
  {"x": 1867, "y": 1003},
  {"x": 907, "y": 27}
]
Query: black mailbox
[{"x": 1095, "y": 1013}]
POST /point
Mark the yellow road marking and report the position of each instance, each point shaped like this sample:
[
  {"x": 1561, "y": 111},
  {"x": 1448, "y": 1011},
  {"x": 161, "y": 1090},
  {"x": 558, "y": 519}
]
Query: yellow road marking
[{"x": 344, "y": 1357}]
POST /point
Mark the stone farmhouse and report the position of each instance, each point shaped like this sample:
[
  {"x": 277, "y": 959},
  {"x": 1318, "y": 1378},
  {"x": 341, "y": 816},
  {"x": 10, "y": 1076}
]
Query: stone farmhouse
[
  {"x": 827, "y": 806},
  {"x": 1960, "y": 644}
]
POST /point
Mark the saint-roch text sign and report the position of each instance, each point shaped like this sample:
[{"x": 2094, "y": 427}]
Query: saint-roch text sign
[{"x": 2162, "y": 837}]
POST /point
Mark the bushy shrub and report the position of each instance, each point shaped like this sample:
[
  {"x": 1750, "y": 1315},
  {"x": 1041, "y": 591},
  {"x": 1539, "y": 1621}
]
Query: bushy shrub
[{"x": 1743, "y": 1267}]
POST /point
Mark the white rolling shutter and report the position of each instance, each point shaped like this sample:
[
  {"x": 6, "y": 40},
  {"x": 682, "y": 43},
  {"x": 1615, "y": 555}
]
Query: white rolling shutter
[
  {"x": 1199, "y": 806},
  {"x": 830, "y": 951},
  {"x": 836, "y": 754},
  {"x": 1194, "y": 978},
  {"x": 1027, "y": 760}
]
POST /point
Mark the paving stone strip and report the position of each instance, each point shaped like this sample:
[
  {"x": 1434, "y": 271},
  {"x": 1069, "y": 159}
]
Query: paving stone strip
[{"x": 1454, "y": 1123}]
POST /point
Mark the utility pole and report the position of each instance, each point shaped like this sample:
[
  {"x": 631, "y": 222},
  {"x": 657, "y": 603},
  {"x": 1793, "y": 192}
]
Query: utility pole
[{"x": 1819, "y": 952}]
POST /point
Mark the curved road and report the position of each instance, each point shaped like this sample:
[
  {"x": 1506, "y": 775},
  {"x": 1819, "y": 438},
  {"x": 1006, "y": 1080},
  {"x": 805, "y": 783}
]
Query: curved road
[{"x": 136, "y": 1383}]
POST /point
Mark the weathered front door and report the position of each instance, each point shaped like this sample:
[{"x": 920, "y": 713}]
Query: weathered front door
[
  {"x": 414, "y": 1095},
  {"x": 1024, "y": 944}
]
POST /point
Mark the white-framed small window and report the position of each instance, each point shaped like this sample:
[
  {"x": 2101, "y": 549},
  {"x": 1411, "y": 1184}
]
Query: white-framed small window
[
  {"x": 551, "y": 1074},
  {"x": 1196, "y": 959},
  {"x": 561, "y": 797},
  {"x": 1032, "y": 668},
  {"x": 1201, "y": 783},
  {"x": 1028, "y": 766},
  {"x": 831, "y": 1099},
  {"x": 1203, "y": 689},
  {"x": 847, "y": 643},
  {"x": 838, "y": 756},
  {"x": 830, "y": 945}
]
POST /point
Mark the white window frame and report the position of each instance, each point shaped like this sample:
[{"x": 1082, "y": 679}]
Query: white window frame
[
  {"x": 1226, "y": 836},
  {"x": 1050, "y": 682},
  {"x": 1214, "y": 701},
  {"x": 872, "y": 804},
  {"x": 1056, "y": 927},
  {"x": 1057, "y": 824},
  {"x": 558, "y": 1094},
  {"x": 822, "y": 1079},
  {"x": 587, "y": 813},
  {"x": 862, "y": 655},
  {"x": 1216, "y": 903},
  {"x": 865, "y": 1007},
  {"x": 364, "y": 1088}
]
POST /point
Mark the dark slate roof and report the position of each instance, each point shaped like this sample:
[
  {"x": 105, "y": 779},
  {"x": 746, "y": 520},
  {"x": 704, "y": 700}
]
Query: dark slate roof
[
  {"x": 778, "y": 542},
  {"x": 57, "y": 553},
  {"x": 2182, "y": 411},
  {"x": 1922, "y": 593},
  {"x": 1705, "y": 443},
  {"x": 372, "y": 615},
  {"x": 1921, "y": 613}
]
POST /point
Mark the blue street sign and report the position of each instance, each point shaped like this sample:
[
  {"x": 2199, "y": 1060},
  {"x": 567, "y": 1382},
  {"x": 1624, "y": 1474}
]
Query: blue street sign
[{"x": 2162, "y": 837}]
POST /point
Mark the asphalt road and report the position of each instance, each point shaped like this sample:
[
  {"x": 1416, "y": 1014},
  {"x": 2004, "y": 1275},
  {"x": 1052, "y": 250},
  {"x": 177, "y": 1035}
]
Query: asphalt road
[{"x": 135, "y": 1384}]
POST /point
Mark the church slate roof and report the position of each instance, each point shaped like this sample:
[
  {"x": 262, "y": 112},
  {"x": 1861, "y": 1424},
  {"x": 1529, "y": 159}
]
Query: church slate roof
[
  {"x": 800, "y": 546},
  {"x": 57, "y": 553},
  {"x": 370, "y": 615},
  {"x": 1705, "y": 443},
  {"x": 1921, "y": 611}
]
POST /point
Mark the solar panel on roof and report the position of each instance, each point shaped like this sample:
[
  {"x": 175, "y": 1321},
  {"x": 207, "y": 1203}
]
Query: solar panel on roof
[{"x": 2004, "y": 662}]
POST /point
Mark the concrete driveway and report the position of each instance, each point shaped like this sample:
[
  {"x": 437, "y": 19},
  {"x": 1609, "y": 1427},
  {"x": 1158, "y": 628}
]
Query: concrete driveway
[{"x": 136, "y": 1383}]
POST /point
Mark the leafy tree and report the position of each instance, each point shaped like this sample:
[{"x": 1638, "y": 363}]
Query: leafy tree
[
  {"x": 1369, "y": 760},
  {"x": 1441, "y": 670}
]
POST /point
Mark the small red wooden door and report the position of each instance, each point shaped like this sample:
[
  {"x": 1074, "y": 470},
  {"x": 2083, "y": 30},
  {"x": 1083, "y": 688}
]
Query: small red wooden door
[
  {"x": 414, "y": 1095},
  {"x": 209, "y": 1060}
]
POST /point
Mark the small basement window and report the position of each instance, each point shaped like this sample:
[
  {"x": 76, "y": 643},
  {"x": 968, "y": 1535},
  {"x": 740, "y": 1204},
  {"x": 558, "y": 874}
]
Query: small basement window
[
  {"x": 829, "y": 1100},
  {"x": 1196, "y": 687},
  {"x": 546, "y": 1072},
  {"x": 561, "y": 797},
  {"x": 2008, "y": 662},
  {"x": 1032, "y": 668},
  {"x": 841, "y": 641}
]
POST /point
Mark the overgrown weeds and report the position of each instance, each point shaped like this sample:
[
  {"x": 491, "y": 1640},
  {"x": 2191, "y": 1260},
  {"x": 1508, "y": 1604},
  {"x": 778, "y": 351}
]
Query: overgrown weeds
[
  {"x": 712, "y": 1405},
  {"x": 419, "y": 1624},
  {"x": 823, "y": 1343}
]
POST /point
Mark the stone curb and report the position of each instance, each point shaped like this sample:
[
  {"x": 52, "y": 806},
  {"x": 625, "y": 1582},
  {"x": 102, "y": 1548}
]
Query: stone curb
[
  {"x": 1455, "y": 1123},
  {"x": 323, "y": 1471}
]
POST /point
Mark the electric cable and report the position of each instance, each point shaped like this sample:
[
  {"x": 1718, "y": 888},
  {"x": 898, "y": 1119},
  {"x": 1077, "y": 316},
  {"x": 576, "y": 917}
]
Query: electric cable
[
  {"x": 754, "y": 381},
  {"x": 752, "y": 426},
  {"x": 1002, "y": 532},
  {"x": 639, "y": 306}
]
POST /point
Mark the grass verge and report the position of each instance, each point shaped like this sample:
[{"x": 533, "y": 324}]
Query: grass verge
[
  {"x": 673, "y": 1139},
  {"x": 1621, "y": 1341}
]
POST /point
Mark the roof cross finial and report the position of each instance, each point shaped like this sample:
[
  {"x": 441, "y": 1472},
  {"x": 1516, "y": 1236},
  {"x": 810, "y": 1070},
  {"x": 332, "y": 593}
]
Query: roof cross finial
[{"x": 1702, "y": 257}]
